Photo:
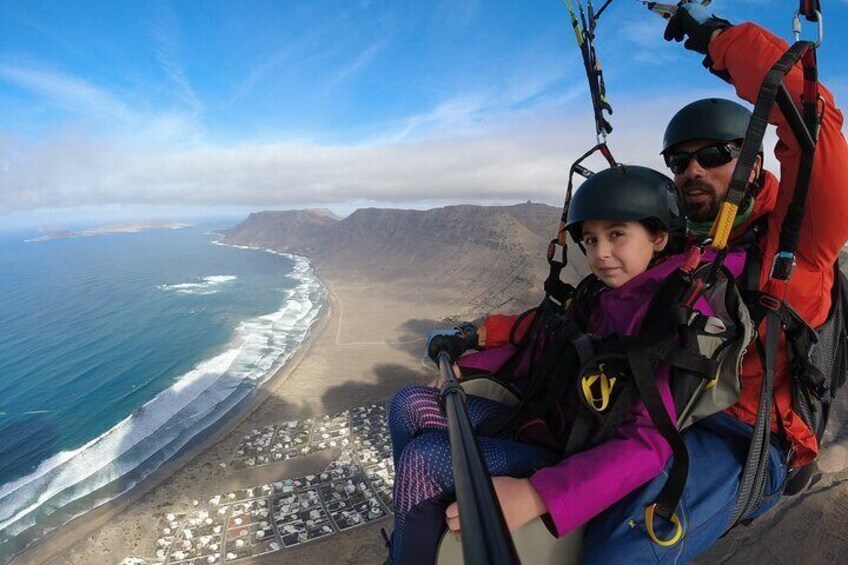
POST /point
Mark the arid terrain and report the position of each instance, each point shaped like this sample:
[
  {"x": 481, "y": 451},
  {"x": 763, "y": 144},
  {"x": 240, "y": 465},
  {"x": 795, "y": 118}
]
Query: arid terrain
[{"x": 390, "y": 275}]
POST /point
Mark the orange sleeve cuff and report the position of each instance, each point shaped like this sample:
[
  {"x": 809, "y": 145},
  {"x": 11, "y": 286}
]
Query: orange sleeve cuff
[{"x": 499, "y": 327}]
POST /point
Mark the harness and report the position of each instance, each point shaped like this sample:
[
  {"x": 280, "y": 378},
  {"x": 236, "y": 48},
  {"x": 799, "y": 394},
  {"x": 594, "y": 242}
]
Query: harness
[{"x": 598, "y": 380}]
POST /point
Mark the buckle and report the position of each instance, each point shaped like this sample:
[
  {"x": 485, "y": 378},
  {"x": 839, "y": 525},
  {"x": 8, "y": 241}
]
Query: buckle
[
  {"x": 769, "y": 302},
  {"x": 782, "y": 265},
  {"x": 552, "y": 249}
]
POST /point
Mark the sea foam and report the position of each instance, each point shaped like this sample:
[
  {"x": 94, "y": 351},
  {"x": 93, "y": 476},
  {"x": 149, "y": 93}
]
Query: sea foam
[
  {"x": 206, "y": 285},
  {"x": 73, "y": 481}
]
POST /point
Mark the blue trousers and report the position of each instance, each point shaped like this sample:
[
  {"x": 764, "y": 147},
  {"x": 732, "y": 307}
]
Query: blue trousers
[{"x": 718, "y": 448}]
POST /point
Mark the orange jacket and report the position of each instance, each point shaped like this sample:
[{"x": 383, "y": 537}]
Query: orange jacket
[{"x": 746, "y": 52}]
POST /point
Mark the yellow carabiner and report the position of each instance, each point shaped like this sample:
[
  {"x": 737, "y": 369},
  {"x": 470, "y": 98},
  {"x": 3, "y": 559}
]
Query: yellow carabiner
[
  {"x": 598, "y": 403},
  {"x": 723, "y": 225},
  {"x": 649, "y": 524}
]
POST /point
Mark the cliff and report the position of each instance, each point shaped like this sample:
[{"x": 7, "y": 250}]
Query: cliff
[{"x": 494, "y": 255}]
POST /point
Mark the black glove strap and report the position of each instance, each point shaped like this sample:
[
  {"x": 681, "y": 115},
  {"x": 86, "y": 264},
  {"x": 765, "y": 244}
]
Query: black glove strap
[{"x": 468, "y": 333}]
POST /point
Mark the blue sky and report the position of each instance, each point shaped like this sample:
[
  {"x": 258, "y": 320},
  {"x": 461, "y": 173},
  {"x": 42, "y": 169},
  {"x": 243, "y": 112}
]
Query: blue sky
[{"x": 135, "y": 109}]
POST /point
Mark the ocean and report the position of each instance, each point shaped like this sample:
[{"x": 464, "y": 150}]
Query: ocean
[{"x": 117, "y": 350}]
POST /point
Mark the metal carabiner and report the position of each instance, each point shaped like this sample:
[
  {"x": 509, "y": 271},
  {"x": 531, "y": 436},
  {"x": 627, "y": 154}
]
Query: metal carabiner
[{"x": 796, "y": 27}]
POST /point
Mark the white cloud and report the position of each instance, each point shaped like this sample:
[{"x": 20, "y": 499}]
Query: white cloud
[
  {"x": 522, "y": 92},
  {"x": 455, "y": 114},
  {"x": 475, "y": 148},
  {"x": 101, "y": 108},
  {"x": 512, "y": 160},
  {"x": 68, "y": 92}
]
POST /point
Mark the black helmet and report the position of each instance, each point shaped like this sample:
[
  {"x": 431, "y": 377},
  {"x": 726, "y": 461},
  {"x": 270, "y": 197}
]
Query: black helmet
[
  {"x": 711, "y": 118},
  {"x": 624, "y": 192}
]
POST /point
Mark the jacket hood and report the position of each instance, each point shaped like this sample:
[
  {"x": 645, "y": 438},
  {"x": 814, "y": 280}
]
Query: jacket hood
[{"x": 621, "y": 310}]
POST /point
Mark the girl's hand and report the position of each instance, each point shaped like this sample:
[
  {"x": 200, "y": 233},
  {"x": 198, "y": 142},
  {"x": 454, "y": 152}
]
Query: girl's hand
[
  {"x": 438, "y": 382},
  {"x": 518, "y": 499}
]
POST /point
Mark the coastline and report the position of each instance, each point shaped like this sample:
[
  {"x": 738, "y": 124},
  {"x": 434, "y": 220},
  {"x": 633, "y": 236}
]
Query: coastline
[
  {"x": 349, "y": 358},
  {"x": 62, "y": 537}
]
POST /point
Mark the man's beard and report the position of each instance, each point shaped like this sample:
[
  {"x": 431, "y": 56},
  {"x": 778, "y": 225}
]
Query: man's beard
[{"x": 705, "y": 210}]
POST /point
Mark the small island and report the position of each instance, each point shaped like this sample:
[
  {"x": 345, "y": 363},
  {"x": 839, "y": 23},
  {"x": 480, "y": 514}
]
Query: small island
[{"x": 135, "y": 227}]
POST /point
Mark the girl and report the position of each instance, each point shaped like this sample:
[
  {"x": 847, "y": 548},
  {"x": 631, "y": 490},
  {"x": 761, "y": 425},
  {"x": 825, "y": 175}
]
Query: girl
[{"x": 624, "y": 217}]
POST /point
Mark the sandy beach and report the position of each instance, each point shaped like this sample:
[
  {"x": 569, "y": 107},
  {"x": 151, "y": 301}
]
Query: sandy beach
[{"x": 367, "y": 342}]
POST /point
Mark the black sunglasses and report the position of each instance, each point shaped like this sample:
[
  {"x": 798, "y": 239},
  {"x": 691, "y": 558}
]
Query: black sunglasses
[{"x": 709, "y": 156}]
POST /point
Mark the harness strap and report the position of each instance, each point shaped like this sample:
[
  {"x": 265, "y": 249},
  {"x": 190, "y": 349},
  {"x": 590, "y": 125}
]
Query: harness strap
[
  {"x": 808, "y": 9},
  {"x": 693, "y": 363},
  {"x": 643, "y": 375},
  {"x": 581, "y": 432},
  {"x": 554, "y": 287},
  {"x": 772, "y": 300},
  {"x": 806, "y": 131},
  {"x": 772, "y": 89},
  {"x": 559, "y": 357},
  {"x": 752, "y": 486}
]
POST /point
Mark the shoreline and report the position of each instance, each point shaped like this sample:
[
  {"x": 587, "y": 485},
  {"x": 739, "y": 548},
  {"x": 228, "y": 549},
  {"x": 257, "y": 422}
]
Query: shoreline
[
  {"x": 365, "y": 344},
  {"x": 77, "y": 528}
]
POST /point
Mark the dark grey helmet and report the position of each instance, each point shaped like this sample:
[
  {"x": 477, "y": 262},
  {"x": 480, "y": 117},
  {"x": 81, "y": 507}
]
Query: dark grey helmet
[
  {"x": 627, "y": 193},
  {"x": 711, "y": 118}
]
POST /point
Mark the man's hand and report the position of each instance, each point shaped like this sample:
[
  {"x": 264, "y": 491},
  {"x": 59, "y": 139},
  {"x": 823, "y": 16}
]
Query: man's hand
[
  {"x": 455, "y": 341},
  {"x": 518, "y": 499},
  {"x": 696, "y": 24},
  {"x": 448, "y": 340}
]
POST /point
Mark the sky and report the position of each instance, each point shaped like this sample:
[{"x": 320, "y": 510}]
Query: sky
[{"x": 128, "y": 110}]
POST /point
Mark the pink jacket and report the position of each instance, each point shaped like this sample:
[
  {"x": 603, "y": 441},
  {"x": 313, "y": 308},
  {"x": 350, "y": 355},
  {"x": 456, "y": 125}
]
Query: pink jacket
[{"x": 583, "y": 485}]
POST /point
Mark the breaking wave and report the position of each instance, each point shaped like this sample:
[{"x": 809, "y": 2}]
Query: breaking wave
[
  {"x": 206, "y": 285},
  {"x": 75, "y": 481}
]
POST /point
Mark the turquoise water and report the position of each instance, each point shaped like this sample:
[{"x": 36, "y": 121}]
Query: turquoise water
[{"x": 117, "y": 350}]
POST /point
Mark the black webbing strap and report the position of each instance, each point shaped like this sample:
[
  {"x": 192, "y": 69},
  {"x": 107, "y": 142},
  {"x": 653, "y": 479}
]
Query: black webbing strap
[
  {"x": 554, "y": 287},
  {"x": 643, "y": 375},
  {"x": 752, "y": 486},
  {"x": 805, "y": 130},
  {"x": 759, "y": 120},
  {"x": 559, "y": 359},
  {"x": 581, "y": 432},
  {"x": 808, "y": 9},
  {"x": 561, "y": 375},
  {"x": 693, "y": 363}
]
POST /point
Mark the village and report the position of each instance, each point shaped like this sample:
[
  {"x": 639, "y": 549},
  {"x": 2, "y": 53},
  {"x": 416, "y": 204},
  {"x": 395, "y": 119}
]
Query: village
[{"x": 354, "y": 489}]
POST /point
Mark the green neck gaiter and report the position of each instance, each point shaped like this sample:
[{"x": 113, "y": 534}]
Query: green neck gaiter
[{"x": 703, "y": 228}]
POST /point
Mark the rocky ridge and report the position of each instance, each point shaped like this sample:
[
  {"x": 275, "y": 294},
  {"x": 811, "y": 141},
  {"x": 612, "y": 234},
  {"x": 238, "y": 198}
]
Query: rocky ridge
[{"x": 493, "y": 255}]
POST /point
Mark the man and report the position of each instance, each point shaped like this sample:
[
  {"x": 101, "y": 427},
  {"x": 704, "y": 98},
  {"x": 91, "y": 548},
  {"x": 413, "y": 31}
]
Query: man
[
  {"x": 715, "y": 128},
  {"x": 701, "y": 147}
]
